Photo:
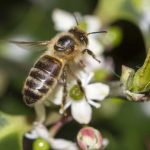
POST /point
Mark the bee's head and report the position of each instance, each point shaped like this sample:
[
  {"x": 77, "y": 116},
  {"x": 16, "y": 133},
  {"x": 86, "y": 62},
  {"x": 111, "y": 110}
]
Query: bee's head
[
  {"x": 80, "y": 35},
  {"x": 65, "y": 44}
]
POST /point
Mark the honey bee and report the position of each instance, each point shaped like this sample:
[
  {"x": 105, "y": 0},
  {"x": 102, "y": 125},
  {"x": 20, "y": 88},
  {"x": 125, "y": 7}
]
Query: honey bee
[{"x": 53, "y": 64}]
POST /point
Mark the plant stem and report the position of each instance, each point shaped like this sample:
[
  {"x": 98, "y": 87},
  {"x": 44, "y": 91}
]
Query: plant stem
[
  {"x": 59, "y": 124},
  {"x": 116, "y": 89}
]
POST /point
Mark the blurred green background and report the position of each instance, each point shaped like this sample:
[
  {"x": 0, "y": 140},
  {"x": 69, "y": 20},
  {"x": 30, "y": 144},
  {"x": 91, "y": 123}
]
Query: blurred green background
[{"x": 125, "y": 124}]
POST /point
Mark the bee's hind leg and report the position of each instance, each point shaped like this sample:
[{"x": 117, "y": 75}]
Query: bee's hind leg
[
  {"x": 65, "y": 92},
  {"x": 40, "y": 112}
]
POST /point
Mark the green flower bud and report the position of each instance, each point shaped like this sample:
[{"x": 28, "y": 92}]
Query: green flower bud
[
  {"x": 136, "y": 84},
  {"x": 141, "y": 80},
  {"x": 41, "y": 144},
  {"x": 127, "y": 77}
]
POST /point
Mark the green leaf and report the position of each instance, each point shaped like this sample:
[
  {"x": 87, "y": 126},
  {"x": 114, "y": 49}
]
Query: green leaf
[
  {"x": 127, "y": 76},
  {"x": 138, "y": 81},
  {"x": 141, "y": 80},
  {"x": 137, "y": 84},
  {"x": 118, "y": 9},
  {"x": 12, "y": 129}
]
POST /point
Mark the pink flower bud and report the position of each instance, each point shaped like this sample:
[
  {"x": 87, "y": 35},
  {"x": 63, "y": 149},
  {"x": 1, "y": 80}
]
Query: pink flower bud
[{"x": 89, "y": 138}]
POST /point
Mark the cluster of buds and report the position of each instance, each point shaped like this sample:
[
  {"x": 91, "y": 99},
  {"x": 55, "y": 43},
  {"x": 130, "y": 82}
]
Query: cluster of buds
[
  {"x": 137, "y": 83},
  {"x": 88, "y": 138}
]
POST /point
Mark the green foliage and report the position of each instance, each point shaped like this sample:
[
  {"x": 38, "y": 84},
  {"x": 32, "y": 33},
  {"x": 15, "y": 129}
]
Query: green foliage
[
  {"x": 12, "y": 129},
  {"x": 141, "y": 79},
  {"x": 117, "y": 9},
  {"x": 138, "y": 81}
]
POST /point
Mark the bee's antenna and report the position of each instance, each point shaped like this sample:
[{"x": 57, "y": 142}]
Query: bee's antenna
[
  {"x": 75, "y": 17},
  {"x": 104, "y": 31}
]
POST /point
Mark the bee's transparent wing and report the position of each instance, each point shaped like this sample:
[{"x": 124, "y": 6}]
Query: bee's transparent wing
[{"x": 36, "y": 45}]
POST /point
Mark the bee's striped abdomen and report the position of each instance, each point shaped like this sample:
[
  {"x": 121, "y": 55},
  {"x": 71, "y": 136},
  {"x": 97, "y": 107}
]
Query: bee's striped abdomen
[{"x": 42, "y": 77}]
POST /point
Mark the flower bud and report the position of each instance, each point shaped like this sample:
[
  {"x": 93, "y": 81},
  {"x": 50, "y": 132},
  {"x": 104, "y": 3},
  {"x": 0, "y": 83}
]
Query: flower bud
[
  {"x": 89, "y": 138},
  {"x": 41, "y": 144},
  {"x": 137, "y": 81}
]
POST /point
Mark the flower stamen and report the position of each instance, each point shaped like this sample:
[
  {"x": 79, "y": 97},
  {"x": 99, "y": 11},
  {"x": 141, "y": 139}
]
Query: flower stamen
[{"x": 75, "y": 93}]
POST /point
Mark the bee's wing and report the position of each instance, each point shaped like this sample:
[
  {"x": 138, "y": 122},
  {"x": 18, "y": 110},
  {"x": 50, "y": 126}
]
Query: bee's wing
[{"x": 38, "y": 45}]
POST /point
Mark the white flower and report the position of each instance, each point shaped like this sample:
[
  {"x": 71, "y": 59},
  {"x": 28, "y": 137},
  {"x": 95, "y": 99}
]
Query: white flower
[
  {"x": 56, "y": 144},
  {"x": 146, "y": 108},
  {"x": 81, "y": 102},
  {"x": 92, "y": 23},
  {"x": 145, "y": 17},
  {"x": 15, "y": 52},
  {"x": 67, "y": 23},
  {"x": 145, "y": 21}
]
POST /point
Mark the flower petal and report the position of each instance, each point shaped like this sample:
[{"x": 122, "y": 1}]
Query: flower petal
[
  {"x": 97, "y": 91},
  {"x": 95, "y": 46},
  {"x": 31, "y": 135},
  {"x": 61, "y": 144},
  {"x": 93, "y": 23},
  {"x": 56, "y": 95},
  {"x": 146, "y": 108},
  {"x": 92, "y": 64},
  {"x": 67, "y": 23},
  {"x": 94, "y": 104},
  {"x": 85, "y": 77},
  {"x": 41, "y": 130},
  {"x": 81, "y": 111},
  {"x": 105, "y": 142}
]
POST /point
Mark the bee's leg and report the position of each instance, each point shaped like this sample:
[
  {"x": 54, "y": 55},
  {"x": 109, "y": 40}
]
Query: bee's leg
[
  {"x": 89, "y": 52},
  {"x": 64, "y": 98},
  {"x": 81, "y": 87},
  {"x": 40, "y": 112},
  {"x": 80, "y": 84}
]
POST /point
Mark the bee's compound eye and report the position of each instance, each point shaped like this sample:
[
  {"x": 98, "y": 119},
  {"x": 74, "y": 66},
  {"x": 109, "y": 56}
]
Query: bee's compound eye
[{"x": 64, "y": 43}]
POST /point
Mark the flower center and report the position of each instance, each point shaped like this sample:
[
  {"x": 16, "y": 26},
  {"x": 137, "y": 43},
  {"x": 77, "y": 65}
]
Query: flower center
[{"x": 76, "y": 93}]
